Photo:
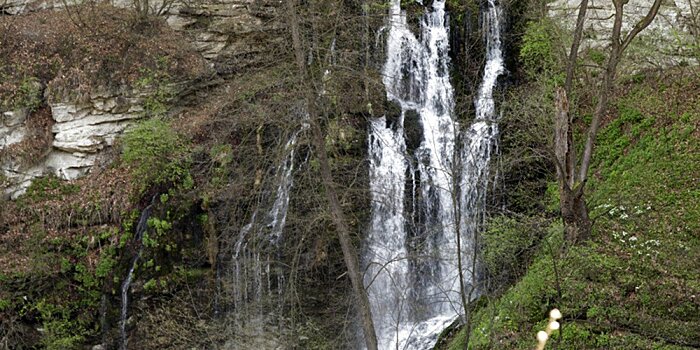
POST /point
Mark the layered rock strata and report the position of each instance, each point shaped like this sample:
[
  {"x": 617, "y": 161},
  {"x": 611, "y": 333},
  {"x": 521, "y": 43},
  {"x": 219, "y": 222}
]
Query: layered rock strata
[{"x": 80, "y": 131}]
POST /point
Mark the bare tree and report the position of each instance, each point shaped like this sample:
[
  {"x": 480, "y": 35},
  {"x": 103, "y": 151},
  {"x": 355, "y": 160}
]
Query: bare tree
[
  {"x": 571, "y": 186},
  {"x": 336, "y": 211}
]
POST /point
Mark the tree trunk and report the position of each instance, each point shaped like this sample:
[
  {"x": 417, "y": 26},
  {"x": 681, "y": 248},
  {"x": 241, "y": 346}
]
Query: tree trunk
[
  {"x": 618, "y": 47},
  {"x": 574, "y": 212},
  {"x": 573, "y": 54},
  {"x": 336, "y": 210}
]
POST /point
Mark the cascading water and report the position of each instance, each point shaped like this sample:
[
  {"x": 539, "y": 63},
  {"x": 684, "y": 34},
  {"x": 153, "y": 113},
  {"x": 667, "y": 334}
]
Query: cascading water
[
  {"x": 479, "y": 141},
  {"x": 138, "y": 237},
  {"x": 256, "y": 247},
  {"x": 411, "y": 249}
]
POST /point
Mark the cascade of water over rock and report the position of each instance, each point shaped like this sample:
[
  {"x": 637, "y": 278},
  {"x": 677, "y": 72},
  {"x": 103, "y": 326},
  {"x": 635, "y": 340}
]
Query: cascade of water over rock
[
  {"x": 141, "y": 228},
  {"x": 256, "y": 249},
  {"x": 422, "y": 199}
]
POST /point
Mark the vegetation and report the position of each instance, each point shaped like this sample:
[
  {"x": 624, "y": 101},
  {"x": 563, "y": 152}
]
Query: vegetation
[
  {"x": 157, "y": 154},
  {"x": 58, "y": 51},
  {"x": 206, "y": 163},
  {"x": 631, "y": 286}
]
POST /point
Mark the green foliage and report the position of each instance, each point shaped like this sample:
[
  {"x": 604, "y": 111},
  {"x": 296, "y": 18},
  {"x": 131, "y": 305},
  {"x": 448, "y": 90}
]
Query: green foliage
[
  {"x": 29, "y": 94},
  {"x": 50, "y": 188},
  {"x": 5, "y": 304},
  {"x": 649, "y": 158},
  {"x": 159, "y": 155},
  {"x": 158, "y": 83},
  {"x": 106, "y": 264},
  {"x": 525, "y": 305},
  {"x": 627, "y": 288},
  {"x": 61, "y": 330},
  {"x": 537, "y": 53},
  {"x": 597, "y": 56},
  {"x": 551, "y": 197},
  {"x": 68, "y": 309},
  {"x": 150, "y": 285},
  {"x": 159, "y": 229},
  {"x": 340, "y": 136},
  {"x": 507, "y": 244}
]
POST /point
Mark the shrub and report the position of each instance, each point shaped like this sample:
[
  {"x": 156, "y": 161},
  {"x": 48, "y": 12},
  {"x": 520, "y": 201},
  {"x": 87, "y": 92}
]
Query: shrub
[
  {"x": 29, "y": 94},
  {"x": 158, "y": 154},
  {"x": 62, "y": 331},
  {"x": 537, "y": 50},
  {"x": 159, "y": 82},
  {"x": 50, "y": 187}
]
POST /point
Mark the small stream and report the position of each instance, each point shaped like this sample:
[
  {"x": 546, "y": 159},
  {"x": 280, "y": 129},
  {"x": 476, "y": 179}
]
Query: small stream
[{"x": 138, "y": 238}]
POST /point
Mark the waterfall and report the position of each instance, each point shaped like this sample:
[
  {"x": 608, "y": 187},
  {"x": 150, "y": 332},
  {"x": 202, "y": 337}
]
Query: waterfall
[
  {"x": 138, "y": 238},
  {"x": 410, "y": 254},
  {"x": 480, "y": 140},
  {"x": 256, "y": 248}
]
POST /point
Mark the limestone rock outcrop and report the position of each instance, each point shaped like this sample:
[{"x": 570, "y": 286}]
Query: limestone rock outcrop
[
  {"x": 80, "y": 131},
  {"x": 234, "y": 35},
  {"x": 667, "y": 41}
]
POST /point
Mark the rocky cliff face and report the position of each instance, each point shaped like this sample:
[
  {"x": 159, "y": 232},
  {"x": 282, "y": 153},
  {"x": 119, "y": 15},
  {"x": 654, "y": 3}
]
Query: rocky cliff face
[
  {"x": 667, "y": 41},
  {"x": 80, "y": 131},
  {"x": 233, "y": 35}
]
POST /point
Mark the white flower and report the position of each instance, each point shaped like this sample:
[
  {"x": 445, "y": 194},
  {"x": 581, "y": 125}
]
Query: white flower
[{"x": 555, "y": 314}]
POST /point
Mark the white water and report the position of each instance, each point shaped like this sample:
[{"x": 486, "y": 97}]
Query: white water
[
  {"x": 480, "y": 140},
  {"x": 255, "y": 250},
  {"x": 138, "y": 237},
  {"x": 411, "y": 251}
]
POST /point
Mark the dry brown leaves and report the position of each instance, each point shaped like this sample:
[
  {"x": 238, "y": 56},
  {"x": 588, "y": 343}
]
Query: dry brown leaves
[{"x": 89, "y": 46}]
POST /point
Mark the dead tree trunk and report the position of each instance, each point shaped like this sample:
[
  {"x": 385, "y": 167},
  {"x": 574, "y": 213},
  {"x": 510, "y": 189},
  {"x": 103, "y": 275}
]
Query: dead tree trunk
[
  {"x": 336, "y": 210},
  {"x": 574, "y": 212},
  {"x": 573, "y": 53}
]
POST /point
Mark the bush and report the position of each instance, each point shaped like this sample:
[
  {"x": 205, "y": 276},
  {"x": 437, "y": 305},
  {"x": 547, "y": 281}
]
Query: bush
[
  {"x": 62, "y": 331},
  {"x": 158, "y": 154},
  {"x": 537, "y": 50},
  {"x": 50, "y": 187}
]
